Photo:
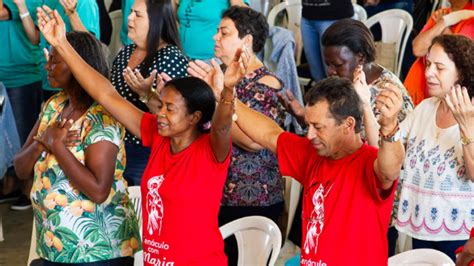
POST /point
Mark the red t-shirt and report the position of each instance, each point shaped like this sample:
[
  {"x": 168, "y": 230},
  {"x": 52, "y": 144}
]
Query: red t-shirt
[
  {"x": 181, "y": 194},
  {"x": 344, "y": 218}
]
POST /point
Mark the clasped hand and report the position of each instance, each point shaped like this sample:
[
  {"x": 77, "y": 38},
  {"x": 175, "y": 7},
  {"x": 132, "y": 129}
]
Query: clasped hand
[{"x": 59, "y": 133}]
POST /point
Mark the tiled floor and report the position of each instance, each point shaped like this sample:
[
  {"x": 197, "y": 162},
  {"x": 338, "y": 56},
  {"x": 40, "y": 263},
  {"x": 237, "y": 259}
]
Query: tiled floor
[{"x": 15, "y": 248}]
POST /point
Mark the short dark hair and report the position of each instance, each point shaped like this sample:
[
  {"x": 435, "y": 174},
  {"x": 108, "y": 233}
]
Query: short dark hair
[
  {"x": 249, "y": 21},
  {"x": 162, "y": 25},
  {"x": 460, "y": 49},
  {"x": 354, "y": 35},
  {"x": 341, "y": 96},
  {"x": 91, "y": 51},
  {"x": 198, "y": 97}
]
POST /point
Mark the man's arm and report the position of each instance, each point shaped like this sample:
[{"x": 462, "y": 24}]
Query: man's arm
[
  {"x": 258, "y": 127},
  {"x": 391, "y": 151}
]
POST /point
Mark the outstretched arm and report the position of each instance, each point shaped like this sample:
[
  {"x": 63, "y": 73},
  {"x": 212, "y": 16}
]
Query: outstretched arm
[
  {"x": 70, "y": 10},
  {"x": 391, "y": 152},
  {"x": 96, "y": 85},
  {"x": 258, "y": 127}
]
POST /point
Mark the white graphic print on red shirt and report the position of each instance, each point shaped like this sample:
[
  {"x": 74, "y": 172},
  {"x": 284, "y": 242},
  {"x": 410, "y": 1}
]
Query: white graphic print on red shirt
[
  {"x": 316, "y": 222},
  {"x": 154, "y": 205}
]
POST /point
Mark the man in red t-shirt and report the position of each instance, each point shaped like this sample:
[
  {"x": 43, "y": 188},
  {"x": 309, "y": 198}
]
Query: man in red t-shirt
[{"x": 348, "y": 185}]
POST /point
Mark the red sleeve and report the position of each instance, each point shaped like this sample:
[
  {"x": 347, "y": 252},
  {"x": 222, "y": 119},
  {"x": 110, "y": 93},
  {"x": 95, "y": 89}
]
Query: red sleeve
[
  {"x": 149, "y": 129},
  {"x": 380, "y": 196},
  {"x": 293, "y": 154}
]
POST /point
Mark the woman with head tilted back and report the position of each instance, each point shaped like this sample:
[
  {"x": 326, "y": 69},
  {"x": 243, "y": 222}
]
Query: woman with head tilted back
[
  {"x": 254, "y": 185},
  {"x": 75, "y": 153},
  {"x": 155, "y": 49},
  {"x": 183, "y": 181},
  {"x": 436, "y": 206}
]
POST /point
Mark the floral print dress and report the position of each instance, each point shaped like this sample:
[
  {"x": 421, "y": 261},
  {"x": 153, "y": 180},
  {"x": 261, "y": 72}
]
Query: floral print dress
[
  {"x": 254, "y": 178},
  {"x": 70, "y": 228}
]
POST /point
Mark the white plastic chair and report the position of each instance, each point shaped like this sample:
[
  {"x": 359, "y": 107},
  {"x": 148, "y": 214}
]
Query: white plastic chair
[
  {"x": 396, "y": 26},
  {"x": 1, "y": 230},
  {"x": 293, "y": 9},
  {"x": 420, "y": 257},
  {"x": 115, "y": 42},
  {"x": 32, "y": 256},
  {"x": 257, "y": 237},
  {"x": 292, "y": 196},
  {"x": 135, "y": 196},
  {"x": 359, "y": 13}
]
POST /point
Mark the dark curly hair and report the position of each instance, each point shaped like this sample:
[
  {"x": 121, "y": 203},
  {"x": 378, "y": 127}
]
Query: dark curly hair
[
  {"x": 354, "y": 35},
  {"x": 460, "y": 49},
  {"x": 342, "y": 99},
  {"x": 198, "y": 97},
  {"x": 249, "y": 21}
]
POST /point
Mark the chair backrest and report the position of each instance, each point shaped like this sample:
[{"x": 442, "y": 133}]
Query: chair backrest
[
  {"x": 359, "y": 13},
  {"x": 293, "y": 10},
  {"x": 396, "y": 25},
  {"x": 115, "y": 42},
  {"x": 257, "y": 237},
  {"x": 423, "y": 256},
  {"x": 32, "y": 256},
  {"x": 135, "y": 196}
]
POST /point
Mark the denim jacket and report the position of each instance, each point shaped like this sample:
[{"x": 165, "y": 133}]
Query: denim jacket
[{"x": 9, "y": 140}]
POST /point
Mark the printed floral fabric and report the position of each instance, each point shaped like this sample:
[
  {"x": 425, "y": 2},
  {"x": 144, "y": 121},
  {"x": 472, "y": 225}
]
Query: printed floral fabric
[
  {"x": 254, "y": 178},
  {"x": 70, "y": 228},
  {"x": 436, "y": 200}
]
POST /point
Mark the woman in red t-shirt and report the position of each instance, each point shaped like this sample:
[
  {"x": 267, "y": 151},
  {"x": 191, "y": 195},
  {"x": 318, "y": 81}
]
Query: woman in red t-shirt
[{"x": 183, "y": 181}]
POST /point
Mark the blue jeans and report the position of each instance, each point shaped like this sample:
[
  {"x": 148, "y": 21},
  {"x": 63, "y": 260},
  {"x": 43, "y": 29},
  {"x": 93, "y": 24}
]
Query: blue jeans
[
  {"x": 9, "y": 141},
  {"x": 137, "y": 158},
  {"x": 447, "y": 247},
  {"x": 26, "y": 105},
  {"x": 311, "y": 32}
]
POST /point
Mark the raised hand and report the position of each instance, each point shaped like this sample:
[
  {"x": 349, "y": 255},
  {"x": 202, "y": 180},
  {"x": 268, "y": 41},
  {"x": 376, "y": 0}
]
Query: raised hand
[
  {"x": 237, "y": 68},
  {"x": 20, "y": 4},
  {"x": 389, "y": 103},
  {"x": 69, "y": 6},
  {"x": 211, "y": 74},
  {"x": 292, "y": 106},
  {"x": 438, "y": 14},
  {"x": 137, "y": 83},
  {"x": 462, "y": 106},
  {"x": 51, "y": 25},
  {"x": 360, "y": 85}
]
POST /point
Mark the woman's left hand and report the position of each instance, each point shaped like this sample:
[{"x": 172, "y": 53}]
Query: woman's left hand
[
  {"x": 462, "y": 106},
  {"x": 55, "y": 134}
]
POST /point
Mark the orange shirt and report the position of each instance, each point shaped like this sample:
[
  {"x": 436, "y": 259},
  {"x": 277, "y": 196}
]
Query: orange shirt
[{"x": 415, "y": 82}]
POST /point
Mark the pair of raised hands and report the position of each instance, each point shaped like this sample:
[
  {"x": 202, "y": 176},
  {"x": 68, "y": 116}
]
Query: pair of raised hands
[
  {"x": 212, "y": 74},
  {"x": 388, "y": 102}
]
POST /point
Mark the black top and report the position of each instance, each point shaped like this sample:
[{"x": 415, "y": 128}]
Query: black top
[
  {"x": 327, "y": 9},
  {"x": 168, "y": 59}
]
